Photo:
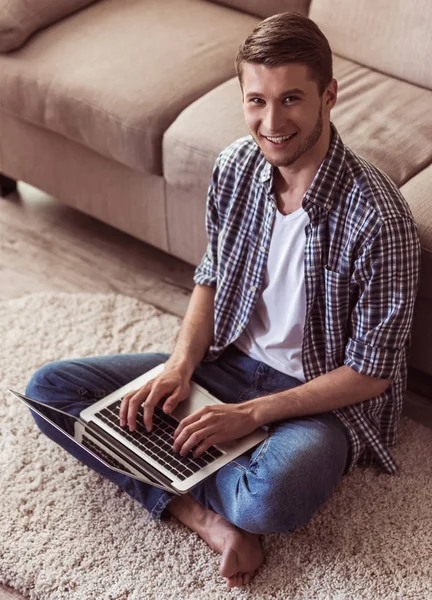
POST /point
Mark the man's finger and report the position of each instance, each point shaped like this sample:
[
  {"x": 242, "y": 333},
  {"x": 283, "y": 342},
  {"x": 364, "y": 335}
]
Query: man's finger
[
  {"x": 204, "y": 446},
  {"x": 171, "y": 402},
  {"x": 193, "y": 418},
  {"x": 148, "y": 412},
  {"x": 124, "y": 408},
  {"x": 148, "y": 407},
  {"x": 191, "y": 436},
  {"x": 133, "y": 406}
]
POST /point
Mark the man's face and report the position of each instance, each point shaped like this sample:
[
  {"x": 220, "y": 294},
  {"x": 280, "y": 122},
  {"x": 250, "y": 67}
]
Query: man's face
[{"x": 284, "y": 111}]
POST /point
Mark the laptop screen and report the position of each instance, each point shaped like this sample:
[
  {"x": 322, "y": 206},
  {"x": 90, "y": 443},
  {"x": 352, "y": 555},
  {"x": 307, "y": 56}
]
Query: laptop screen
[{"x": 44, "y": 411}]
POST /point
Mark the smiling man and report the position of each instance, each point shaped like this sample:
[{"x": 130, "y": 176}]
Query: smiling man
[
  {"x": 300, "y": 318},
  {"x": 298, "y": 150}
]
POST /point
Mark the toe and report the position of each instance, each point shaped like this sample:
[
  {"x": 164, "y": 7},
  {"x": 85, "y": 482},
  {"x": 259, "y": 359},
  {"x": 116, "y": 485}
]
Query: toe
[
  {"x": 229, "y": 564},
  {"x": 234, "y": 581}
]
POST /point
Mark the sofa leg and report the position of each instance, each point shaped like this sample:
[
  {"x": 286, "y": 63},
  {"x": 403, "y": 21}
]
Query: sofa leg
[{"x": 7, "y": 185}]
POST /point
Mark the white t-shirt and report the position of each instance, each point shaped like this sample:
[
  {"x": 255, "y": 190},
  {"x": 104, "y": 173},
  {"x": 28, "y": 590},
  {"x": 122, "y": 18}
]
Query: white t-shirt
[{"x": 274, "y": 334}]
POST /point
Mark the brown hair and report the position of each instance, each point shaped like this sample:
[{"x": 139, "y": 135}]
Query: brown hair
[{"x": 288, "y": 37}]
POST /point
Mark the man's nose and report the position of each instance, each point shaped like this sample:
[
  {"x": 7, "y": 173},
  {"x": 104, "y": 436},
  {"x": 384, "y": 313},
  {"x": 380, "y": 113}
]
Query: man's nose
[{"x": 273, "y": 120}]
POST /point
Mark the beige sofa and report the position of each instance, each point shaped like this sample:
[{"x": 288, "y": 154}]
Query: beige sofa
[{"x": 121, "y": 107}]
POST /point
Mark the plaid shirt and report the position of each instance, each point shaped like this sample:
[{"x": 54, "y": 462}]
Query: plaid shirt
[{"x": 362, "y": 261}]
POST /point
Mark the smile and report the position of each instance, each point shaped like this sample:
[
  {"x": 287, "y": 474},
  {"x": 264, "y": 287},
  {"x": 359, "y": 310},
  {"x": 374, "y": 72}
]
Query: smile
[{"x": 278, "y": 141}]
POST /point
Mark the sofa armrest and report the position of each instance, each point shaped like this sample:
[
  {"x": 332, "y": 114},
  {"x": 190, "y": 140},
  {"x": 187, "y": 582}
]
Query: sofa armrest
[{"x": 19, "y": 19}]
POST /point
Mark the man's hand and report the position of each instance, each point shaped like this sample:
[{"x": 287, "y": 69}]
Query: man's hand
[
  {"x": 212, "y": 425},
  {"x": 171, "y": 384}
]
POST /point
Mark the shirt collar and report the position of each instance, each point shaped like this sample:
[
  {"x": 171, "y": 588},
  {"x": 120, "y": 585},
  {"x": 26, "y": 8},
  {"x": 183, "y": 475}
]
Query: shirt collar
[{"x": 326, "y": 178}]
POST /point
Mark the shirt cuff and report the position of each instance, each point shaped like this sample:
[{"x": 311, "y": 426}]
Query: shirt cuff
[
  {"x": 204, "y": 278},
  {"x": 374, "y": 361}
]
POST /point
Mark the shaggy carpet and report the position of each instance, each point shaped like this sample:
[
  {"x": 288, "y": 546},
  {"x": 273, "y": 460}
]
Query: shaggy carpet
[{"x": 65, "y": 533}]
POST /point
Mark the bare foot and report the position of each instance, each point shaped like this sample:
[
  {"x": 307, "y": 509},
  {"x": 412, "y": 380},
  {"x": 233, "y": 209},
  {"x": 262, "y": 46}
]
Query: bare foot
[{"x": 241, "y": 551}]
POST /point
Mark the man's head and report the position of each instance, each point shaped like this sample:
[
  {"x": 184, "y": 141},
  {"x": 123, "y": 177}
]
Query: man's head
[{"x": 286, "y": 77}]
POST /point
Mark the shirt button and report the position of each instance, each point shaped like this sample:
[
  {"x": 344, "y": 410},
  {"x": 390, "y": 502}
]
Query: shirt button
[
  {"x": 253, "y": 288},
  {"x": 263, "y": 248}
]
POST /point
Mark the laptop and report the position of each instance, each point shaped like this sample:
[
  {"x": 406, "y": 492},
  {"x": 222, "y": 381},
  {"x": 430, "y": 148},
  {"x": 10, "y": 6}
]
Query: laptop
[{"x": 145, "y": 456}]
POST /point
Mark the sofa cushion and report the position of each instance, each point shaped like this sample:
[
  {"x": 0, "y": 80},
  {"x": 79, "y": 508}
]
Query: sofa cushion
[
  {"x": 268, "y": 8},
  {"x": 107, "y": 190},
  {"x": 192, "y": 143},
  {"x": 114, "y": 78},
  {"x": 393, "y": 37},
  {"x": 20, "y": 18},
  {"x": 371, "y": 116}
]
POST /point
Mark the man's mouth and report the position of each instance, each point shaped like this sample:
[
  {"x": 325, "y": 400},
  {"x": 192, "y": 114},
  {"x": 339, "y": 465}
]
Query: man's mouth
[{"x": 280, "y": 140}]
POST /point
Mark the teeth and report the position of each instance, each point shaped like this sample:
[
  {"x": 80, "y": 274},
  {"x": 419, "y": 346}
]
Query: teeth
[{"x": 279, "y": 140}]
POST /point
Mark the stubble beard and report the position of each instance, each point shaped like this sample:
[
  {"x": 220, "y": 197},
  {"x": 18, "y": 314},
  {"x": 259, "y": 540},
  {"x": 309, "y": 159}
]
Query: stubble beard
[{"x": 309, "y": 142}]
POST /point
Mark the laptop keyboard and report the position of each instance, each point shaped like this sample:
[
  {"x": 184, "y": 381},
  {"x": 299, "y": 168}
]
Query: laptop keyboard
[{"x": 158, "y": 443}]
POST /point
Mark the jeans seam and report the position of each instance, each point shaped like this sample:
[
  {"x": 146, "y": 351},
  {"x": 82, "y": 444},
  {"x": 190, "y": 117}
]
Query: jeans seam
[
  {"x": 258, "y": 457},
  {"x": 254, "y": 382},
  {"x": 257, "y": 375},
  {"x": 253, "y": 464},
  {"x": 242, "y": 395},
  {"x": 161, "y": 504},
  {"x": 97, "y": 394},
  {"x": 238, "y": 466}
]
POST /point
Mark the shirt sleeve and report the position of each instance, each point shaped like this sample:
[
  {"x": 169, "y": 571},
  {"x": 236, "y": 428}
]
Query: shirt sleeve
[
  {"x": 387, "y": 272},
  {"x": 206, "y": 272}
]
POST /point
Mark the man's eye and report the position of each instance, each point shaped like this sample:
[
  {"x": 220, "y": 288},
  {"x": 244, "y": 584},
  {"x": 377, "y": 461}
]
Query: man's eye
[
  {"x": 256, "y": 100},
  {"x": 291, "y": 99}
]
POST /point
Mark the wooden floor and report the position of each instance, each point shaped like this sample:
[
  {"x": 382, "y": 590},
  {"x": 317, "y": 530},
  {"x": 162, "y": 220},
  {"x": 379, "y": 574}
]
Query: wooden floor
[
  {"x": 47, "y": 246},
  {"x": 8, "y": 594}
]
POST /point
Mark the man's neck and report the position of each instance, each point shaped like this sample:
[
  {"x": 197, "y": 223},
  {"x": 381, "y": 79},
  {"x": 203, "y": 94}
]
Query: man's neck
[{"x": 296, "y": 179}]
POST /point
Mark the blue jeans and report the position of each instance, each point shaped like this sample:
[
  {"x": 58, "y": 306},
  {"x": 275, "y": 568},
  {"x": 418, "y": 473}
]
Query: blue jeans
[{"x": 274, "y": 488}]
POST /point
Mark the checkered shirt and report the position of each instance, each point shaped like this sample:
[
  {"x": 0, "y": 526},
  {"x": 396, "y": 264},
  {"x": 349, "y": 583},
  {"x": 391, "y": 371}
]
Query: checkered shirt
[{"x": 362, "y": 261}]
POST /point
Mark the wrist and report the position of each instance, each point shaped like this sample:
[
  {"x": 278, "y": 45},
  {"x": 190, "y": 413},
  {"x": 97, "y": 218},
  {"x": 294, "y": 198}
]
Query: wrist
[
  {"x": 253, "y": 411},
  {"x": 270, "y": 408},
  {"x": 183, "y": 366}
]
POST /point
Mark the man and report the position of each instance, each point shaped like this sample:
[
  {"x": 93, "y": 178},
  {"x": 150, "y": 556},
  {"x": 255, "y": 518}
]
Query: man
[{"x": 300, "y": 318}]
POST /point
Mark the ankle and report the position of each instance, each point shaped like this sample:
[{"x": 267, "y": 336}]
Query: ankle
[{"x": 185, "y": 509}]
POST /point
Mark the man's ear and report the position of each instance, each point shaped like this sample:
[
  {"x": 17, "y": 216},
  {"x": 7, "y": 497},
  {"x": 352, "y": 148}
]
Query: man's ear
[{"x": 330, "y": 94}]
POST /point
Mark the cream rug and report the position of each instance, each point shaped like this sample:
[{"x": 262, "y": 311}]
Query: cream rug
[{"x": 65, "y": 533}]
